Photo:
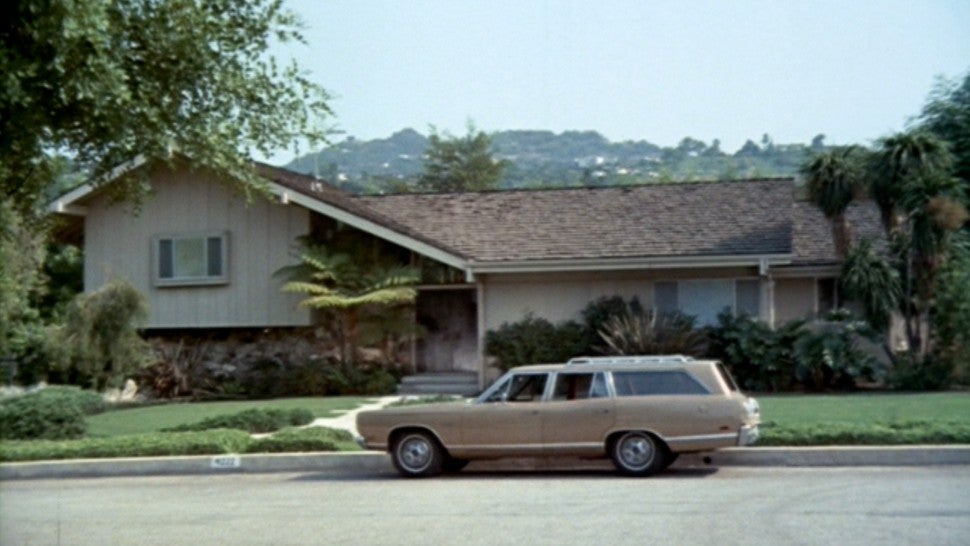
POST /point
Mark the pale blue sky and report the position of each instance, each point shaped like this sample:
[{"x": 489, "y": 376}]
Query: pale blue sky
[{"x": 633, "y": 69}]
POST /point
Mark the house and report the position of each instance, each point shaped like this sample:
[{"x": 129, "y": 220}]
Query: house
[{"x": 205, "y": 257}]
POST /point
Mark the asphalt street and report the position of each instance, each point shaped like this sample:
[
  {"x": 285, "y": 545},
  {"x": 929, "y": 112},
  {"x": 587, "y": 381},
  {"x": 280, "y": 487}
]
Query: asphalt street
[{"x": 731, "y": 505}]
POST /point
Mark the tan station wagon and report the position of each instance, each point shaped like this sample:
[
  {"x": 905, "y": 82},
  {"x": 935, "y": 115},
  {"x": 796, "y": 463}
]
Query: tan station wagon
[{"x": 640, "y": 411}]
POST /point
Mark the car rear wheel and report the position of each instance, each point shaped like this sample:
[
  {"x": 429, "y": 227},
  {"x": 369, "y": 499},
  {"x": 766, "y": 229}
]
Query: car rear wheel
[
  {"x": 638, "y": 454},
  {"x": 417, "y": 454}
]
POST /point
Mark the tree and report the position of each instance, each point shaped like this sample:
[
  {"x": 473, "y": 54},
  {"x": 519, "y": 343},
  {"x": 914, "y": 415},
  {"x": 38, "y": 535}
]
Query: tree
[
  {"x": 99, "y": 338},
  {"x": 353, "y": 286},
  {"x": 834, "y": 179},
  {"x": 947, "y": 115},
  {"x": 460, "y": 163},
  {"x": 104, "y": 82},
  {"x": 920, "y": 203}
]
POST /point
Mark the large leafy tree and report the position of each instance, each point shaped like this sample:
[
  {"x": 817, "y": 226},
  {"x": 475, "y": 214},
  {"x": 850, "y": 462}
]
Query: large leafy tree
[
  {"x": 104, "y": 81},
  {"x": 463, "y": 163}
]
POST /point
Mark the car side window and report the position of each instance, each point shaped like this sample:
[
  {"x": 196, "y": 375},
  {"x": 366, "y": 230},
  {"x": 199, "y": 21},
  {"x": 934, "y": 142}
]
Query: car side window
[
  {"x": 527, "y": 388},
  {"x": 656, "y": 383},
  {"x": 579, "y": 386},
  {"x": 520, "y": 388}
]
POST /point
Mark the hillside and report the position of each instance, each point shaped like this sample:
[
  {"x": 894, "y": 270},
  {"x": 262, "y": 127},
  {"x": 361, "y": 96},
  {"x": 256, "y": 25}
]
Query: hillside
[{"x": 547, "y": 159}]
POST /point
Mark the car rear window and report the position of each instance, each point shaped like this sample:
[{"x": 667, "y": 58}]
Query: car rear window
[{"x": 661, "y": 382}]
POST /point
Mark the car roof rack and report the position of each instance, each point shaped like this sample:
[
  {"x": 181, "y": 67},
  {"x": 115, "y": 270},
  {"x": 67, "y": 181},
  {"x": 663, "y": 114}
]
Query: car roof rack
[{"x": 638, "y": 359}]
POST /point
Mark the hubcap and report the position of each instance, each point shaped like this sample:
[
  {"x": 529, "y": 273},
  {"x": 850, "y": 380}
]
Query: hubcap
[
  {"x": 415, "y": 453},
  {"x": 636, "y": 452}
]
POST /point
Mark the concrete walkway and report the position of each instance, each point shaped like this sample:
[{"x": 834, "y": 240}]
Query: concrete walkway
[{"x": 347, "y": 420}]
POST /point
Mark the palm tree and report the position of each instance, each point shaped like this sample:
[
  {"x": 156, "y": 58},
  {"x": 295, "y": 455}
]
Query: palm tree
[
  {"x": 834, "y": 179},
  {"x": 349, "y": 286},
  {"x": 902, "y": 160},
  {"x": 919, "y": 200}
]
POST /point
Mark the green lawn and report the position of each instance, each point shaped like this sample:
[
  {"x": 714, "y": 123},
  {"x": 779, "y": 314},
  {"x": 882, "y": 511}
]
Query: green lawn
[
  {"x": 865, "y": 409},
  {"x": 153, "y": 418}
]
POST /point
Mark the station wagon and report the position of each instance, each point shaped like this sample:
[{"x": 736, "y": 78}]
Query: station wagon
[{"x": 640, "y": 411}]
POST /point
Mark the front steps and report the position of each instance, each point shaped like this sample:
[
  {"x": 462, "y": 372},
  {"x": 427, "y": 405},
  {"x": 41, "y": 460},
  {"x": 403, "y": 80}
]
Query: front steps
[{"x": 430, "y": 384}]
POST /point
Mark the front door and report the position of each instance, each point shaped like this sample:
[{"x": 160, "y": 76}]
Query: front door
[{"x": 449, "y": 318}]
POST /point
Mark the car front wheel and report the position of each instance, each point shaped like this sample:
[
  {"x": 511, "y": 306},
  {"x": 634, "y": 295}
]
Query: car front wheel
[
  {"x": 417, "y": 454},
  {"x": 638, "y": 454}
]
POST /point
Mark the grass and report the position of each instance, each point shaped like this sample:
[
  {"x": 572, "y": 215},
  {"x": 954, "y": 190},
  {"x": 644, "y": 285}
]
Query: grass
[
  {"x": 865, "y": 419},
  {"x": 154, "y": 418},
  {"x": 880, "y": 408}
]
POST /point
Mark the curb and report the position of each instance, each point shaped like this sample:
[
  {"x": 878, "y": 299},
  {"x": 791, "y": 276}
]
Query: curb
[{"x": 379, "y": 464}]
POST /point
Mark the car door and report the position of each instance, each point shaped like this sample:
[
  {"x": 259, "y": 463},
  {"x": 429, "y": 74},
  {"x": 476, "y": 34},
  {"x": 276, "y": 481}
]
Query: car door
[
  {"x": 509, "y": 422},
  {"x": 578, "y": 415}
]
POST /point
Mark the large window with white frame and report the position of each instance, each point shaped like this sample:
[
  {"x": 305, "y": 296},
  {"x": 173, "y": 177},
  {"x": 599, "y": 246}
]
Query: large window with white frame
[
  {"x": 190, "y": 259},
  {"x": 705, "y": 299}
]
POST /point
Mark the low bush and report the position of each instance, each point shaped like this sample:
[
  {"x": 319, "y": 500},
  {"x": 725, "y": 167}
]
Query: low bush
[
  {"x": 210, "y": 442},
  {"x": 534, "y": 340},
  {"x": 158, "y": 444},
  {"x": 255, "y": 420},
  {"x": 901, "y": 433},
  {"x": 53, "y": 413},
  {"x": 302, "y": 440},
  {"x": 817, "y": 356},
  {"x": 645, "y": 332},
  {"x": 929, "y": 373}
]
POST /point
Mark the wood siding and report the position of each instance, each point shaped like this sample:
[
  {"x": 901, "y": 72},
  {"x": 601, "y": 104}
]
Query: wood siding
[{"x": 261, "y": 238}]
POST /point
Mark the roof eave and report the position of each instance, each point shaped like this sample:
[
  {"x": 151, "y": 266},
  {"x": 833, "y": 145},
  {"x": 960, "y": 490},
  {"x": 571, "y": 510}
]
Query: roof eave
[
  {"x": 762, "y": 261},
  {"x": 287, "y": 195}
]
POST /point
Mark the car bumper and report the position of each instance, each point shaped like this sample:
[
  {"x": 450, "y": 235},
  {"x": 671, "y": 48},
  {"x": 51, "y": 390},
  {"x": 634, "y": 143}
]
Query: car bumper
[{"x": 748, "y": 435}]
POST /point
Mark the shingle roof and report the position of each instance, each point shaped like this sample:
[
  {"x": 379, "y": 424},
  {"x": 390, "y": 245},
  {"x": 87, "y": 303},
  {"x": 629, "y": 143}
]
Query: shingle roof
[
  {"x": 670, "y": 220},
  {"x": 812, "y": 241},
  {"x": 325, "y": 193}
]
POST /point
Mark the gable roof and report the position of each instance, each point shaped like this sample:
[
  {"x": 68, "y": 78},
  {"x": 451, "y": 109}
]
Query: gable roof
[
  {"x": 750, "y": 222},
  {"x": 812, "y": 241},
  {"x": 746, "y": 219}
]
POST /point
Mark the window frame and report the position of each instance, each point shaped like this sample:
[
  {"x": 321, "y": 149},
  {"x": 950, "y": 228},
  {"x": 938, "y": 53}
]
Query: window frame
[
  {"x": 206, "y": 280},
  {"x": 676, "y": 284}
]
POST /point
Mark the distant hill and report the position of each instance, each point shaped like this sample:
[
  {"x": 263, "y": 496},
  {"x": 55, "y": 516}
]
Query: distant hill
[{"x": 547, "y": 159}]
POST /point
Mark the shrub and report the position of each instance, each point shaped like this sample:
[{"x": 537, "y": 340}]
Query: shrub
[
  {"x": 929, "y": 373},
  {"x": 252, "y": 420},
  {"x": 100, "y": 335},
  {"x": 901, "y": 433},
  {"x": 760, "y": 359},
  {"x": 304, "y": 439},
  {"x": 645, "y": 332},
  {"x": 53, "y": 413},
  {"x": 210, "y": 442},
  {"x": 534, "y": 340},
  {"x": 827, "y": 354}
]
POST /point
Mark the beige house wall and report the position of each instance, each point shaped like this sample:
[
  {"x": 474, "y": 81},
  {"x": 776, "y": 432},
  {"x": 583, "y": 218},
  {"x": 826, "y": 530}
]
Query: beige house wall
[
  {"x": 561, "y": 296},
  {"x": 261, "y": 235}
]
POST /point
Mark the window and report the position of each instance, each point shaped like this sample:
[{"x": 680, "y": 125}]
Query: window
[
  {"x": 705, "y": 299},
  {"x": 193, "y": 259},
  {"x": 656, "y": 383},
  {"x": 520, "y": 388},
  {"x": 579, "y": 386}
]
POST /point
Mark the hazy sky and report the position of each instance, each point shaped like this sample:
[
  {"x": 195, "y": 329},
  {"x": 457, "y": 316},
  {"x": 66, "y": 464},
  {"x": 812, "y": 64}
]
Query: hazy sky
[{"x": 639, "y": 69}]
